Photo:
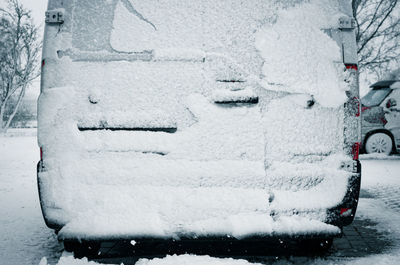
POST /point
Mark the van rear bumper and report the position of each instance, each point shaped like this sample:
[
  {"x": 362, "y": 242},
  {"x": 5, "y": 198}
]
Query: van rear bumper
[
  {"x": 301, "y": 235},
  {"x": 338, "y": 216},
  {"x": 251, "y": 241},
  {"x": 343, "y": 214}
]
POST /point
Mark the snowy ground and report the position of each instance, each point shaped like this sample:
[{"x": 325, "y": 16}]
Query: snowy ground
[{"x": 24, "y": 238}]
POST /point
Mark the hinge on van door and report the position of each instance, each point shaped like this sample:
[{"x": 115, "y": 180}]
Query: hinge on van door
[
  {"x": 346, "y": 22},
  {"x": 55, "y": 17}
]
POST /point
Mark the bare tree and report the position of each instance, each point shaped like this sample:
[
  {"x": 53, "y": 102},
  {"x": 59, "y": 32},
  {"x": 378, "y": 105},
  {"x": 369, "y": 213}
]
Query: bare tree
[
  {"x": 378, "y": 35},
  {"x": 19, "y": 58}
]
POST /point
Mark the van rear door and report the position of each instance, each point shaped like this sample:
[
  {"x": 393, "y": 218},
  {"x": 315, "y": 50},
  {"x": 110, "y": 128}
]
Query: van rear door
[{"x": 165, "y": 118}]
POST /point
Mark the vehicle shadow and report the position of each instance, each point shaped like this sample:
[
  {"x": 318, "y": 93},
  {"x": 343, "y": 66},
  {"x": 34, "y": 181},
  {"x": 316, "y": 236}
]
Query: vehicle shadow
[
  {"x": 115, "y": 252},
  {"x": 359, "y": 240}
]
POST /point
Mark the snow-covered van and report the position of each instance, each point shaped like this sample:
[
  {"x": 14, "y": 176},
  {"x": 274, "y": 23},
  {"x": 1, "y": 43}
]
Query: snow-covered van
[{"x": 202, "y": 118}]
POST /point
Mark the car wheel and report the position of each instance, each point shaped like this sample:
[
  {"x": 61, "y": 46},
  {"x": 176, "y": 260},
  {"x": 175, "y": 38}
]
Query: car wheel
[{"x": 379, "y": 143}]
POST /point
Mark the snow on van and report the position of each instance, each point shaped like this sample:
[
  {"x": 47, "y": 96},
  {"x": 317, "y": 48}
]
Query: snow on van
[{"x": 182, "y": 119}]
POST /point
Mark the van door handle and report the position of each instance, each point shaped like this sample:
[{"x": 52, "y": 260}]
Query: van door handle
[
  {"x": 243, "y": 96},
  {"x": 252, "y": 100}
]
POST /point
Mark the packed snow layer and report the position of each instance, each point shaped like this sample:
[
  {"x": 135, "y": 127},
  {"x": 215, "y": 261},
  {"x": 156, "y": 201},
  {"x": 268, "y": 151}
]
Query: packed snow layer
[
  {"x": 299, "y": 56},
  {"x": 173, "y": 260},
  {"x": 205, "y": 131},
  {"x": 209, "y": 26},
  {"x": 293, "y": 131},
  {"x": 150, "y": 223},
  {"x": 194, "y": 260},
  {"x": 206, "y": 179},
  {"x": 153, "y": 203}
]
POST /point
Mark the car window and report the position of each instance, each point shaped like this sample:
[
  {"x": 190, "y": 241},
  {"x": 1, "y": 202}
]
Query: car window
[{"x": 375, "y": 96}]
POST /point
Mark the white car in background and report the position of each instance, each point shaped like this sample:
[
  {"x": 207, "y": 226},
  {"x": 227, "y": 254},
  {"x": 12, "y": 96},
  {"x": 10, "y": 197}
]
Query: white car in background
[{"x": 381, "y": 118}]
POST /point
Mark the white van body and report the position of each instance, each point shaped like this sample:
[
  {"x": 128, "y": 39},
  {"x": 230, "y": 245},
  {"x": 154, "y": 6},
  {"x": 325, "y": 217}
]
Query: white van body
[{"x": 172, "y": 119}]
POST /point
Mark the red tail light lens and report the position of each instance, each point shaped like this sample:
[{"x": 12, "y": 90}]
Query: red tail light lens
[
  {"x": 41, "y": 153},
  {"x": 352, "y": 66},
  {"x": 345, "y": 211},
  {"x": 356, "y": 150}
]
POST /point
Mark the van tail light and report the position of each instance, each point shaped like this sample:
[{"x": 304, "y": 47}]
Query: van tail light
[
  {"x": 355, "y": 151},
  {"x": 352, "y": 66},
  {"x": 384, "y": 121},
  {"x": 41, "y": 154},
  {"x": 345, "y": 212}
]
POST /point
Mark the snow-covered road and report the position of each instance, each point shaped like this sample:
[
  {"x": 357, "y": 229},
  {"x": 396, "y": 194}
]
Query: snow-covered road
[{"x": 24, "y": 238}]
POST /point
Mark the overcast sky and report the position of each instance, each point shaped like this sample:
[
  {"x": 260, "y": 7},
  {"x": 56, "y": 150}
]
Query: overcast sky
[{"x": 38, "y": 8}]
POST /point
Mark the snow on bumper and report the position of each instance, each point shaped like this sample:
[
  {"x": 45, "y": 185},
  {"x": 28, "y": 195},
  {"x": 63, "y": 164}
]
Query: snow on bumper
[
  {"x": 240, "y": 227},
  {"x": 97, "y": 209}
]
